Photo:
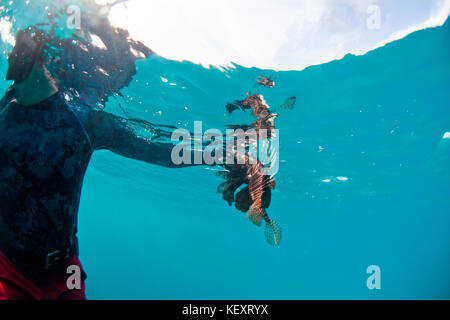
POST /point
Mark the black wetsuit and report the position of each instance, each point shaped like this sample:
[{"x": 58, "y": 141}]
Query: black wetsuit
[{"x": 44, "y": 153}]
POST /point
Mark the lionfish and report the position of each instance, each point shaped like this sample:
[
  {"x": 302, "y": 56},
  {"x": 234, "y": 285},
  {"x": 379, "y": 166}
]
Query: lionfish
[
  {"x": 260, "y": 110},
  {"x": 254, "y": 198},
  {"x": 254, "y": 101}
]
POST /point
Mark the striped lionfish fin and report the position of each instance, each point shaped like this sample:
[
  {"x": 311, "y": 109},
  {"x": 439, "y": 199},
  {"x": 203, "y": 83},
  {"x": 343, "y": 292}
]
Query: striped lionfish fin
[{"x": 273, "y": 232}]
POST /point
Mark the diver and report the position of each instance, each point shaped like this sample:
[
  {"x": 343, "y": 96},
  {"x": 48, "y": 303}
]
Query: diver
[{"x": 46, "y": 142}]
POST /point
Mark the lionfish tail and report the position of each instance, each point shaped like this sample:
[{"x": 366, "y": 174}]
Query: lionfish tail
[
  {"x": 255, "y": 214},
  {"x": 273, "y": 232}
]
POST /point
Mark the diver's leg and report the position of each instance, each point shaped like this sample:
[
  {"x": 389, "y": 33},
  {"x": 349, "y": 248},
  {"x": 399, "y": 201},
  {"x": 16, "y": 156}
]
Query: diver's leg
[
  {"x": 10, "y": 291},
  {"x": 13, "y": 285},
  {"x": 74, "y": 294}
]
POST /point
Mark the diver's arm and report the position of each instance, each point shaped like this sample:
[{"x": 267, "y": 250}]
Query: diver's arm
[
  {"x": 107, "y": 131},
  {"x": 119, "y": 135}
]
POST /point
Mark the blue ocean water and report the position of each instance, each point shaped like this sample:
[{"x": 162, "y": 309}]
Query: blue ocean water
[{"x": 363, "y": 180}]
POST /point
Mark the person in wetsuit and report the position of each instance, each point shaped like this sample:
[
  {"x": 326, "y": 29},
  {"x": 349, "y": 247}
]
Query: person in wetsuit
[{"x": 46, "y": 142}]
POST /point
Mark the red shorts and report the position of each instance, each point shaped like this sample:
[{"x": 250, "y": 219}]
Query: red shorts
[{"x": 14, "y": 286}]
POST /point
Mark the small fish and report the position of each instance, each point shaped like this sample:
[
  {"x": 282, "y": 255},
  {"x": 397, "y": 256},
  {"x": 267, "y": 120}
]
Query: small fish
[
  {"x": 289, "y": 103},
  {"x": 266, "y": 82}
]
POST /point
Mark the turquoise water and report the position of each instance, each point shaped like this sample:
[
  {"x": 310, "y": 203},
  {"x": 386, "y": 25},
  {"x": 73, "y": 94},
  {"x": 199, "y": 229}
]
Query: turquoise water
[{"x": 378, "y": 120}]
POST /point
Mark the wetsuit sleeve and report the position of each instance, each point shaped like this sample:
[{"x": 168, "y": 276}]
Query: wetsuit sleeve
[{"x": 128, "y": 138}]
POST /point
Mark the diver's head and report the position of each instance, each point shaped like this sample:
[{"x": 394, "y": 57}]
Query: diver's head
[{"x": 25, "y": 54}]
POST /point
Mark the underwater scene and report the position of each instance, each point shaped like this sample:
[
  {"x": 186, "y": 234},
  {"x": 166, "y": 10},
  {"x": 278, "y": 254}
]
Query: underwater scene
[{"x": 359, "y": 182}]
